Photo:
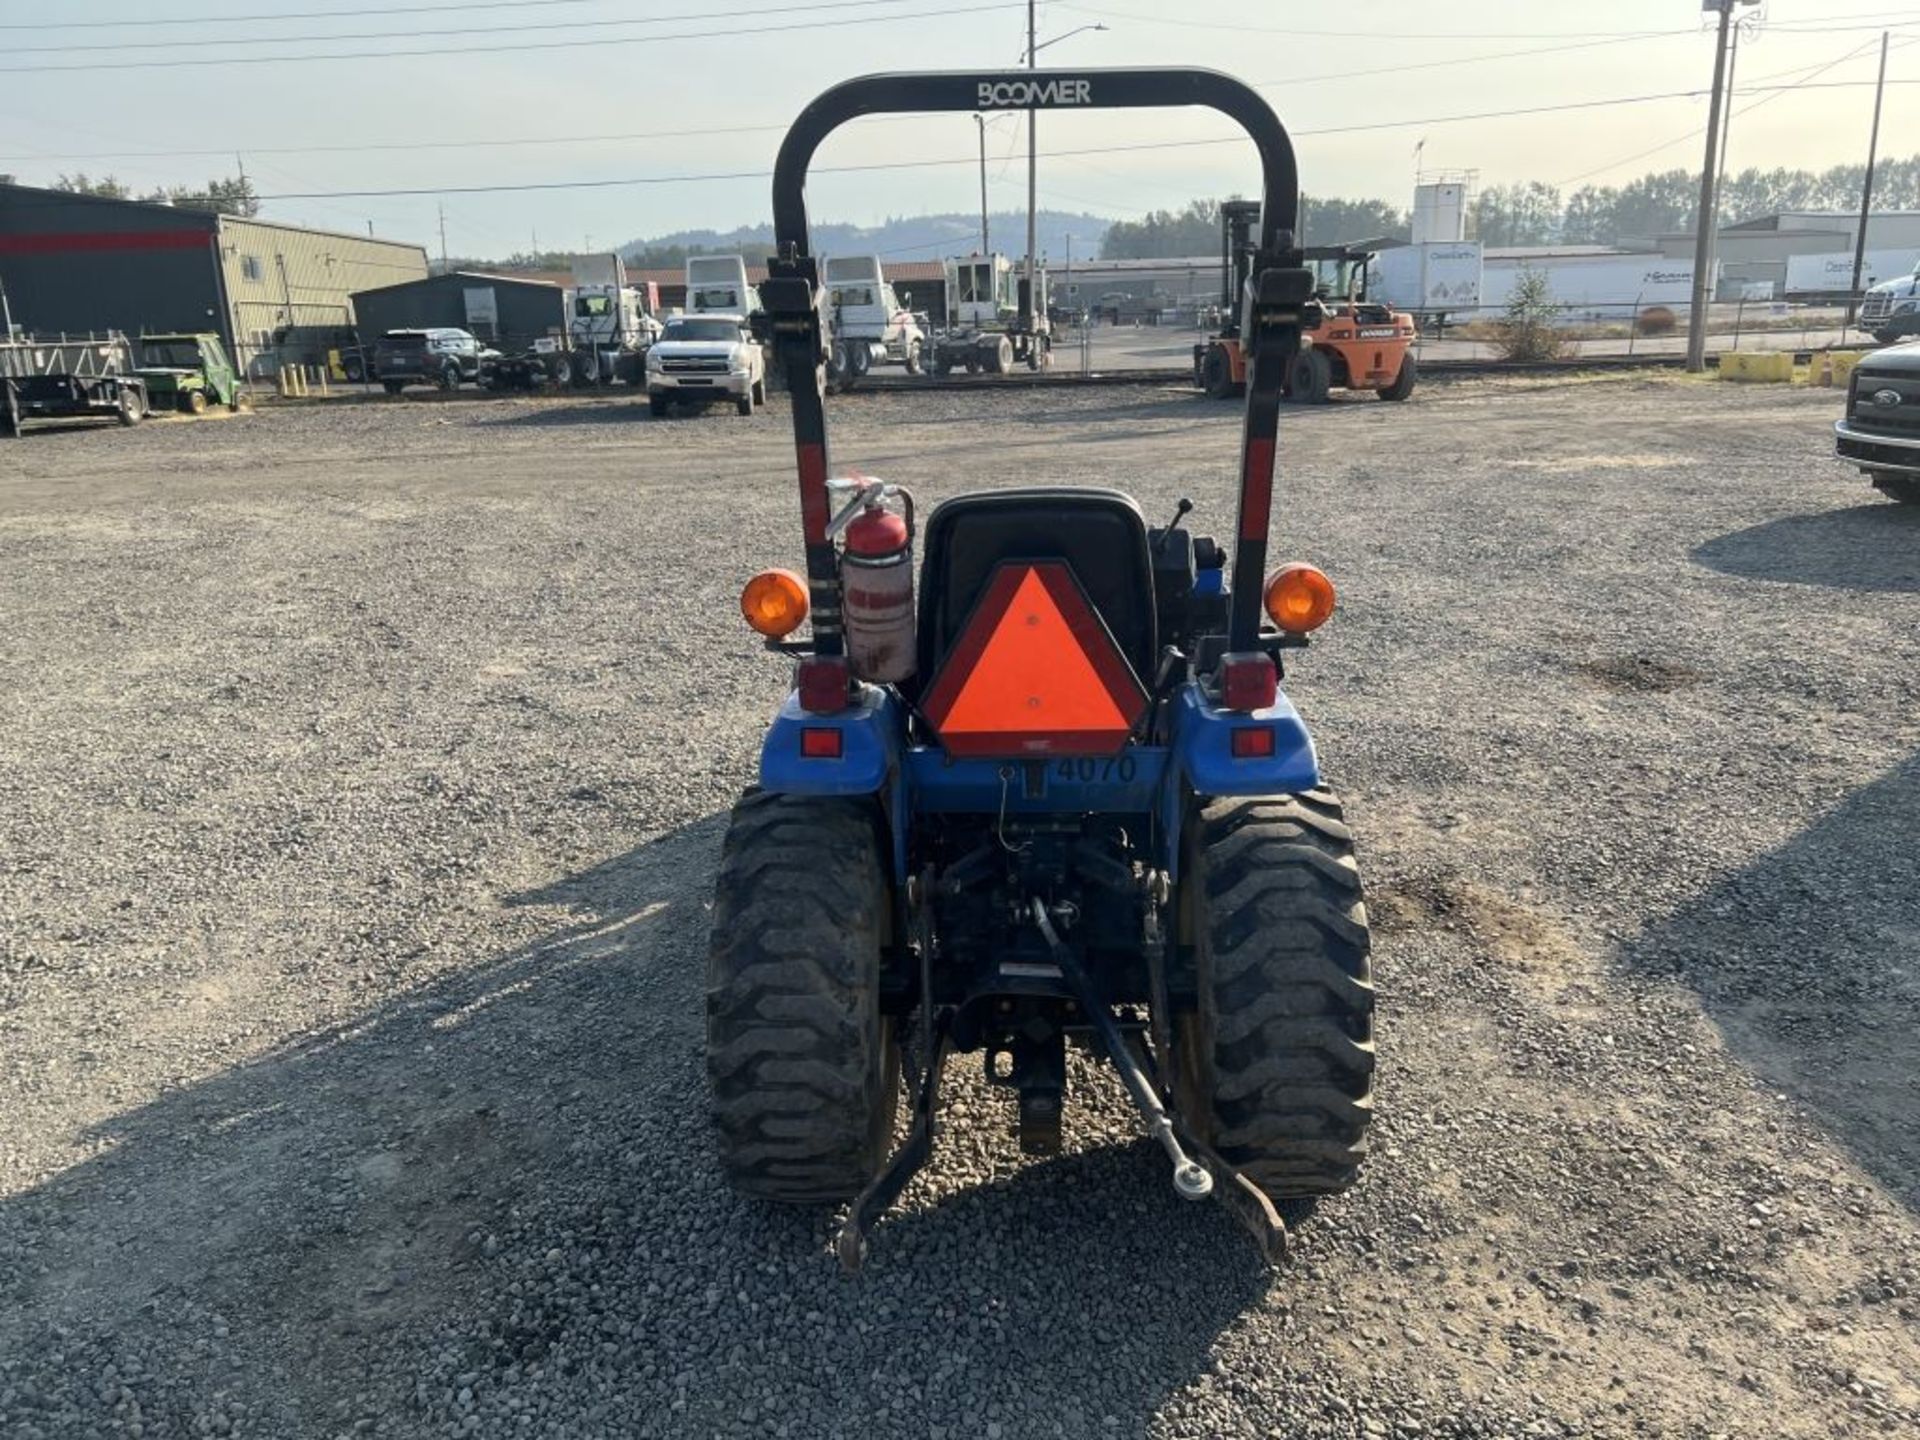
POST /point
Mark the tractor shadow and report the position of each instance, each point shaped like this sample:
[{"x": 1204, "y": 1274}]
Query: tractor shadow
[
  {"x": 377, "y": 1206},
  {"x": 1808, "y": 961},
  {"x": 1873, "y": 546}
]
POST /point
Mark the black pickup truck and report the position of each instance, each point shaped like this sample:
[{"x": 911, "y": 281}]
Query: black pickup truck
[{"x": 1881, "y": 431}]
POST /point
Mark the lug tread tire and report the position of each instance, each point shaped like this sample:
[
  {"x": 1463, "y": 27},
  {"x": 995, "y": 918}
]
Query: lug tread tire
[
  {"x": 1311, "y": 381},
  {"x": 803, "y": 1071},
  {"x": 1278, "y": 1067},
  {"x": 1403, "y": 383}
]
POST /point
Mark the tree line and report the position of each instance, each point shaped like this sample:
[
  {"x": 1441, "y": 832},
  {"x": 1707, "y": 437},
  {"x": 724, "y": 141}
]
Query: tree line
[
  {"x": 1532, "y": 213},
  {"x": 234, "y": 196}
]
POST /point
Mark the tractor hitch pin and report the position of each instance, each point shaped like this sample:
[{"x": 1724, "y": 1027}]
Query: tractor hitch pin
[{"x": 1191, "y": 1180}]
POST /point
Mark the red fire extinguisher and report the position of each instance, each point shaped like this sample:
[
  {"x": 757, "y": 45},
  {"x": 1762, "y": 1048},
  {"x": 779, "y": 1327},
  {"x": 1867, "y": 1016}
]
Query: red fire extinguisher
[{"x": 876, "y": 585}]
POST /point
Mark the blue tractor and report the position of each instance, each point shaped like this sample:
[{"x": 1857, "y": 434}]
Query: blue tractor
[{"x": 1051, "y": 791}]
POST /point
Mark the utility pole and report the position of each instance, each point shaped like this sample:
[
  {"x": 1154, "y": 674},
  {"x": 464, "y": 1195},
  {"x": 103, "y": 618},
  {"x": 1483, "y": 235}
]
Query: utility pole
[
  {"x": 1033, "y": 172},
  {"x": 1866, "y": 189},
  {"x": 443, "y": 239},
  {"x": 1704, "y": 212},
  {"x": 981, "y": 121}
]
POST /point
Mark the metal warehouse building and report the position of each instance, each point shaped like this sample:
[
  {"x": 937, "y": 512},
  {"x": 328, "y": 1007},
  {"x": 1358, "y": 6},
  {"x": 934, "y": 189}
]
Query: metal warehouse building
[
  {"x": 85, "y": 262},
  {"x": 503, "y": 310}
]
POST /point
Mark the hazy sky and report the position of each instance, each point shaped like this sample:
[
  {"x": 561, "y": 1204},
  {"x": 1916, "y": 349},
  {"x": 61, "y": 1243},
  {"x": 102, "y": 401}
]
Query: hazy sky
[{"x": 599, "y": 81}]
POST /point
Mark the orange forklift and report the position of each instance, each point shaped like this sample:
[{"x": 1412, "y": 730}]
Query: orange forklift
[{"x": 1346, "y": 342}]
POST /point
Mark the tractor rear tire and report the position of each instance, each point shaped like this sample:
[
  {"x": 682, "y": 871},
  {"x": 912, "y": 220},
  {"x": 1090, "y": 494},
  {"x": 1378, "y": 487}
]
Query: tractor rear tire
[
  {"x": 1311, "y": 380},
  {"x": 804, "y": 1070},
  {"x": 1403, "y": 383},
  {"x": 1274, "y": 1067}
]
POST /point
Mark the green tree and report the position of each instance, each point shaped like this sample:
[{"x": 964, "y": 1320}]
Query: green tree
[
  {"x": 235, "y": 196},
  {"x": 1526, "y": 329},
  {"x": 83, "y": 184}
]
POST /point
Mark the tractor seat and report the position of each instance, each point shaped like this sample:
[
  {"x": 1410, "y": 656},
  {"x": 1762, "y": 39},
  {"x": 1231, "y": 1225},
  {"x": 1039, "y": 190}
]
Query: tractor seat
[{"x": 1100, "y": 534}]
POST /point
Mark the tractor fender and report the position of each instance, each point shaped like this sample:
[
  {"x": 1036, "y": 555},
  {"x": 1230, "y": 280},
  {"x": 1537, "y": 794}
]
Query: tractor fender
[
  {"x": 1204, "y": 763},
  {"x": 869, "y": 756}
]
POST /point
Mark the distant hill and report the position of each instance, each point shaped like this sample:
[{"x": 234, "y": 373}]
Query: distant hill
[{"x": 912, "y": 237}]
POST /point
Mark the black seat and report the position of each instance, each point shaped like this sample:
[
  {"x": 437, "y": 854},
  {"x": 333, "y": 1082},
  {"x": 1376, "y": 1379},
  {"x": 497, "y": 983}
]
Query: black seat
[{"x": 1099, "y": 533}]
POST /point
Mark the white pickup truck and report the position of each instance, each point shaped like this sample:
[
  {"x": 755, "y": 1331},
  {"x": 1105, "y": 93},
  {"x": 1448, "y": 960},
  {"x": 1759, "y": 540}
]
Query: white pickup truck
[
  {"x": 869, "y": 325},
  {"x": 699, "y": 359}
]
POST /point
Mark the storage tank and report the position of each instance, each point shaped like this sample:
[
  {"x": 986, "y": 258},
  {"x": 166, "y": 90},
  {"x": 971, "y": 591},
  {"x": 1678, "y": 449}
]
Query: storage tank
[{"x": 1440, "y": 212}]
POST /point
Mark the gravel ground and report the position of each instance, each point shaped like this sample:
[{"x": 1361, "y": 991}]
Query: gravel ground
[{"x": 361, "y": 768}]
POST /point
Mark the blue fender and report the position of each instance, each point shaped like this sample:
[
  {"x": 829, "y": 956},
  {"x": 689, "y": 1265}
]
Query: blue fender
[
  {"x": 1204, "y": 763},
  {"x": 869, "y": 731}
]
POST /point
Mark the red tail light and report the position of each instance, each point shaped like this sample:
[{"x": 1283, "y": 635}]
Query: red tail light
[
  {"x": 820, "y": 743},
  {"x": 822, "y": 684},
  {"x": 1252, "y": 742},
  {"x": 1248, "y": 682}
]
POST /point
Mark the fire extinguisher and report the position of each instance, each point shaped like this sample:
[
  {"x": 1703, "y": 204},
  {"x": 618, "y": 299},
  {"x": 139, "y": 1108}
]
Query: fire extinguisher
[{"x": 876, "y": 583}]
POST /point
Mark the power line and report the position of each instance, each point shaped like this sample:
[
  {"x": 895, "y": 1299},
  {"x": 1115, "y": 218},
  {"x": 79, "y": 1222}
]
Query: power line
[
  {"x": 1810, "y": 73},
  {"x": 204, "y": 41},
  {"x": 519, "y": 47},
  {"x": 1823, "y": 25},
  {"x": 696, "y": 178},
  {"x": 622, "y": 137},
  {"x": 174, "y": 20}
]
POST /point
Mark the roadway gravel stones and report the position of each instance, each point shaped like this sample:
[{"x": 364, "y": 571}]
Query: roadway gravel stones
[{"x": 360, "y": 774}]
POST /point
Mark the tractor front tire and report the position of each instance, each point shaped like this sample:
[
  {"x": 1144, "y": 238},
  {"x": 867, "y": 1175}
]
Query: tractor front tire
[
  {"x": 1274, "y": 1067},
  {"x": 1403, "y": 383},
  {"x": 804, "y": 1070},
  {"x": 1311, "y": 380}
]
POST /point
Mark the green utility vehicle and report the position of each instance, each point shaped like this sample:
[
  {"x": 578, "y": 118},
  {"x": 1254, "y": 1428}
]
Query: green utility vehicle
[{"x": 187, "y": 373}]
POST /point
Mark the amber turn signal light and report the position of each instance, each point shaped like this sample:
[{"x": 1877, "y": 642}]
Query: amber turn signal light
[
  {"x": 1299, "y": 598},
  {"x": 775, "y": 603}
]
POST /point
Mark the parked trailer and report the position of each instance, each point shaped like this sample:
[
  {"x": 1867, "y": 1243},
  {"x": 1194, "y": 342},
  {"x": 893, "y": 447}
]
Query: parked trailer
[{"x": 68, "y": 378}]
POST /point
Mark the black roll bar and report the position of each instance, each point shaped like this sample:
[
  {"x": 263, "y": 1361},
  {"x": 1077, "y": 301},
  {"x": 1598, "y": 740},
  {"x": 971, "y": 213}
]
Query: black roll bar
[{"x": 1275, "y": 291}]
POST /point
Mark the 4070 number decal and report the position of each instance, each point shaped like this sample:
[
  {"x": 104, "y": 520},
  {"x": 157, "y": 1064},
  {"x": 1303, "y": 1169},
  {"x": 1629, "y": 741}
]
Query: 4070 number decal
[{"x": 1089, "y": 772}]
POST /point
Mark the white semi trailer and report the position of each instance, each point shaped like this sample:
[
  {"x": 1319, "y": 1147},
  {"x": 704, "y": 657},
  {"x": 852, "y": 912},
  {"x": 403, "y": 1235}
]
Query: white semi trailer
[
  {"x": 985, "y": 329},
  {"x": 868, "y": 324},
  {"x": 610, "y": 322},
  {"x": 717, "y": 284}
]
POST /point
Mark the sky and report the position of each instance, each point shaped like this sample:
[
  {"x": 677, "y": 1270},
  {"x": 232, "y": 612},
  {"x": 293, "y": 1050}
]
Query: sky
[{"x": 666, "y": 92}]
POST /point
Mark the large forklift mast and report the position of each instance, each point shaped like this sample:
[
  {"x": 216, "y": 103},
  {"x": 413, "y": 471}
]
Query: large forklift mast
[{"x": 1237, "y": 219}]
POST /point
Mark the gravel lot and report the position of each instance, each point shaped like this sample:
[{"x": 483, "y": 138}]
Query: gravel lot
[{"x": 361, "y": 768}]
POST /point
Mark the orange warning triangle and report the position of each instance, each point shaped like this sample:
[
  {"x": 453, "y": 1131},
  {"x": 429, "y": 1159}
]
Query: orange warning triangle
[{"x": 1032, "y": 687}]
